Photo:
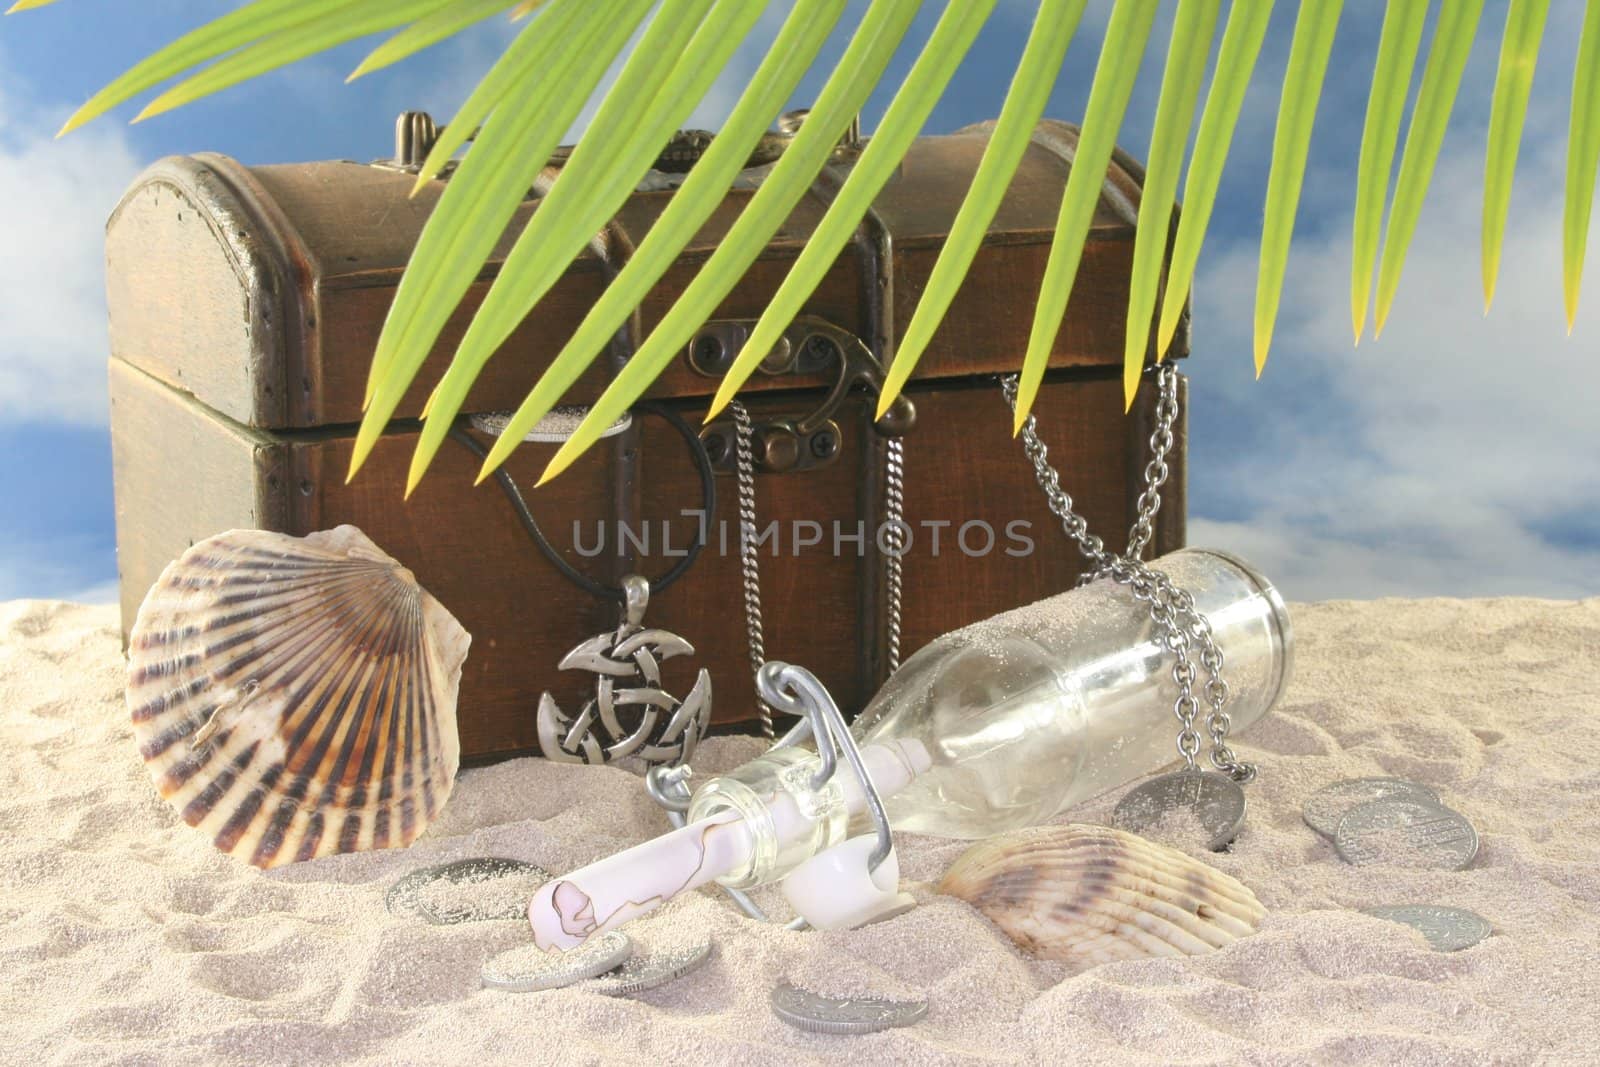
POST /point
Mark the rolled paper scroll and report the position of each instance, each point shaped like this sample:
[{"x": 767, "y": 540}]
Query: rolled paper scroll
[{"x": 604, "y": 895}]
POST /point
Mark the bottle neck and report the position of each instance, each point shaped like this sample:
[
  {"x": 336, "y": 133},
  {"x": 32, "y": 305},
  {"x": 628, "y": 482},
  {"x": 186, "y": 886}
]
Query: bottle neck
[{"x": 791, "y": 818}]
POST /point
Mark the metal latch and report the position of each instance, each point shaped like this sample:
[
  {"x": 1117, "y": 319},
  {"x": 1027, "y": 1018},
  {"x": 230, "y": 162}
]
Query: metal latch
[{"x": 810, "y": 346}]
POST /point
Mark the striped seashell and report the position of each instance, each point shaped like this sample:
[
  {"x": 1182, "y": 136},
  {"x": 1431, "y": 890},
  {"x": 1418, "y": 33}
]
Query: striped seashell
[
  {"x": 296, "y": 697},
  {"x": 1091, "y": 894}
]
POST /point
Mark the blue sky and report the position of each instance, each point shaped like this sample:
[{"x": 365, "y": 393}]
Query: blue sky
[{"x": 1456, "y": 456}]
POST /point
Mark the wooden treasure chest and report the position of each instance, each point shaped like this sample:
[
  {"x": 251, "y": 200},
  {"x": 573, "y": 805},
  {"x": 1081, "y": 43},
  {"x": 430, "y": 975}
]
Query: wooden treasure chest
[{"x": 245, "y": 303}]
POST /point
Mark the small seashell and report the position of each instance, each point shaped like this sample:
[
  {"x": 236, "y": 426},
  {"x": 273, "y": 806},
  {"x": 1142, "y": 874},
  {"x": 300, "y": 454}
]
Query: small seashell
[
  {"x": 296, "y": 697},
  {"x": 1092, "y": 894}
]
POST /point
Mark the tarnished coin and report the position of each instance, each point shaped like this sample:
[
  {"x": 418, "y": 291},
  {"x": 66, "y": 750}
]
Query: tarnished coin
[
  {"x": 646, "y": 970},
  {"x": 1406, "y": 833},
  {"x": 529, "y": 967},
  {"x": 1324, "y": 808},
  {"x": 831, "y": 1015},
  {"x": 1213, "y": 801},
  {"x": 1447, "y": 929},
  {"x": 472, "y": 890}
]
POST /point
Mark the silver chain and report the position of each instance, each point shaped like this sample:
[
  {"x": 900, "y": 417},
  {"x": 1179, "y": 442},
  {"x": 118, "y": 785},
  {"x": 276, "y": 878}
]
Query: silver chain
[
  {"x": 894, "y": 499},
  {"x": 894, "y": 509},
  {"x": 1156, "y": 471},
  {"x": 1181, "y": 627},
  {"x": 744, "y": 455}
]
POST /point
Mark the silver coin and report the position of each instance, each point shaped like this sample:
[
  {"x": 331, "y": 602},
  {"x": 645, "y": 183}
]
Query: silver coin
[
  {"x": 1215, "y": 800},
  {"x": 529, "y": 967},
  {"x": 1447, "y": 929},
  {"x": 1324, "y": 808},
  {"x": 1406, "y": 833},
  {"x": 647, "y": 970},
  {"x": 853, "y": 1015},
  {"x": 413, "y": 894}
]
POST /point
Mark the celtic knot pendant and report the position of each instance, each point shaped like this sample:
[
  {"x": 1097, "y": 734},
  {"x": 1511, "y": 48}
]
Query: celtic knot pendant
[{"x": 630, "y": 714}]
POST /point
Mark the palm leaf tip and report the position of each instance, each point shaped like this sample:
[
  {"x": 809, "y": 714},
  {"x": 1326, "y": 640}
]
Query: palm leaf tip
[
  {"x": 1309, "y": 52},
  {"x": 788, "y": 58},
  {"x": 1040, "y": 65},
  {"x": 1236, "y": 60},
  {"x": 1190, "y": 46},
  {"x": 631, "y": 126},
  {"x": 1583, "y": 161},
  {"x": 1519, "y": 53},
  {"x": 1441, "y": 79},
  {"x": 841, "y": 99},
  {"x": 75, "y": 120},
  {"x": 1116, "y": 70},
  {"x": 1380, "y": 134},
  {"x": 952, "y": 37},
  {"x": 419, "y": 467},
  {"x": 565, "y": 456}
]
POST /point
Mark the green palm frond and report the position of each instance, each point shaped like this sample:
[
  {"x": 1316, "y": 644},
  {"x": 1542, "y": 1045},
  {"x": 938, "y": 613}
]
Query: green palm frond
[
  {"x": 791, "y": 55},
  {"x": 1583, "y": 159},
  {"x": 522, "y": 128},
  {"x": 1297, "y": 111},
  {"x": 1192, "y": 32},
  {"x": 840, "y": 100},
  {"x": 1380, "y": 137},
  {"x": 901, "y": 123},
  {"x": 1053, "y": 30},
  {"x": 632, "y": 127},
  {"x": 1120, "y": 56},
  {"x": 1236, "y": 62},
  {"x": 552, "y": 68},
  {"x": 1452, "y": 43},
  {"x": 429, "y": 31},
  {"x": 1519, "y": 52}
]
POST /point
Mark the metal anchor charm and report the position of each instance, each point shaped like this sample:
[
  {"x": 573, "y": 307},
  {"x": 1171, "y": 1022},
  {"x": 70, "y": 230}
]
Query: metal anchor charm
[{"x": 627, "y": 666}]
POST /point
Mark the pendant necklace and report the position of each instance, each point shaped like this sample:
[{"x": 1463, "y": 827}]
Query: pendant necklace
[
  {"x": 630, "y": 713},
  {"x": 1212, "y": 798}
]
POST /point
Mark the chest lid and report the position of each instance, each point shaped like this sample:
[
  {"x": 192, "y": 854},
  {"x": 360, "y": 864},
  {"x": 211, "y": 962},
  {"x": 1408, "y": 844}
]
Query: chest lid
[{"x": 261, "y": 291}]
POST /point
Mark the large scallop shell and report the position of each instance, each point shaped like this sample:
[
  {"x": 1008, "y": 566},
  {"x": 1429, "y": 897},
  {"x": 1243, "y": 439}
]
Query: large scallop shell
[
  {"x": 296, "y": 697},
  {"x": 1092, "y": 894}
]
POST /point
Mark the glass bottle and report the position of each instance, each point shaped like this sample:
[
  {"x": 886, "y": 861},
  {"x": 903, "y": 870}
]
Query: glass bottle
[
  {"x": 996, "y": 726},
  {"x": 1028, "y": 713}
]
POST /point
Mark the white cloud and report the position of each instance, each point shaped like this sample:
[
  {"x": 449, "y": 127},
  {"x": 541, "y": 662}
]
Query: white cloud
[
  {"x": 1445, "y": 458},
  {"x": 54, "y": 200}
]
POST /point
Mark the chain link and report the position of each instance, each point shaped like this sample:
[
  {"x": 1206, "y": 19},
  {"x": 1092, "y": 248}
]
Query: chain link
[
  {"x": 1156, "y": 471},
  {"x": 744, "y": 457},
  {"x": 1182, "y": 629},
  {"x": 894, "y": 509}
]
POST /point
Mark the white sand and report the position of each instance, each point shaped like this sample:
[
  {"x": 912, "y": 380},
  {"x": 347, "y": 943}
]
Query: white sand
[{"x": 124, "y": 938}]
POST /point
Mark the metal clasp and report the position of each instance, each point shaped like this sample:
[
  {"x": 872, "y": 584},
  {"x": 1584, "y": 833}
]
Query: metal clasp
[
  {"x": 799, "y": 692},
  {"x": 810, "y": 346},
  {"x": 796, "y": 691}
]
